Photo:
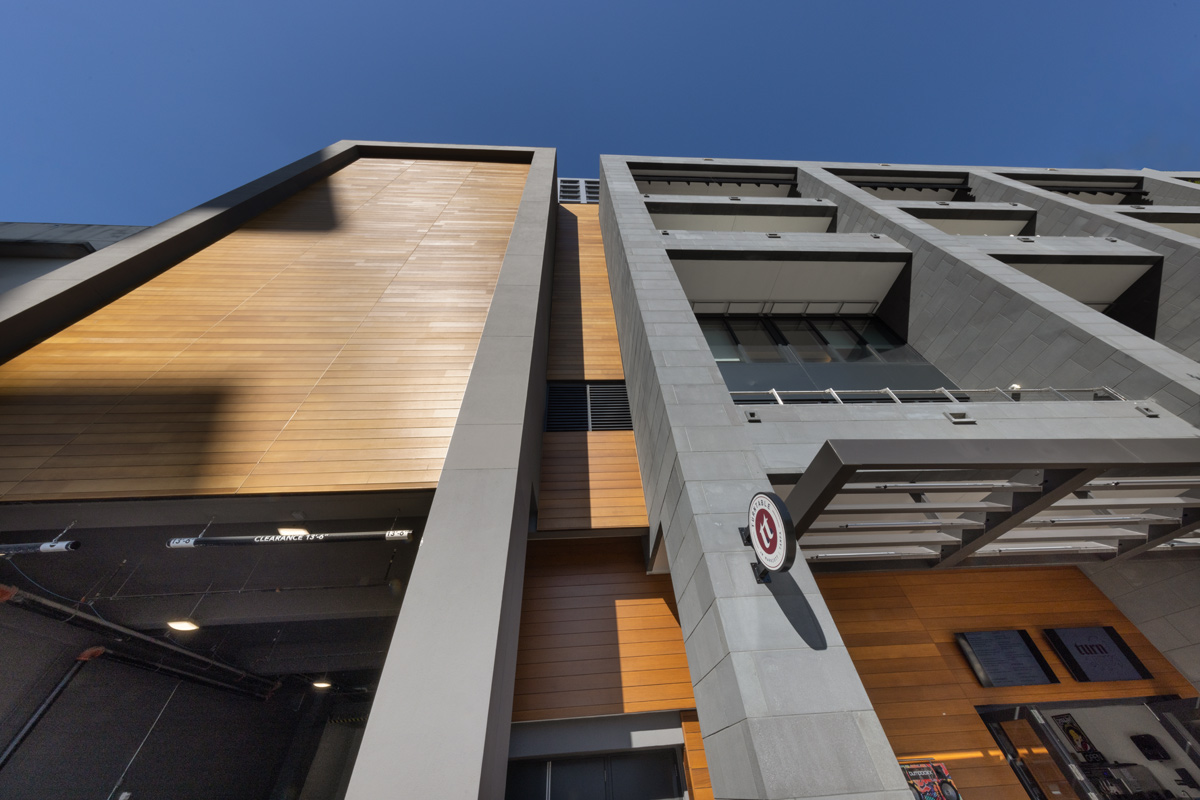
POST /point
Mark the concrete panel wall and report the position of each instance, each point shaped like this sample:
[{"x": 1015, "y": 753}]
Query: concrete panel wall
[
  {"x": 1059, "y": 215},
  {"x": 985, "y": 323},
  {"x": 789, "y": 437},
  {"x": 781, "y": 709},
  {"x": 1161, "y": 597}
]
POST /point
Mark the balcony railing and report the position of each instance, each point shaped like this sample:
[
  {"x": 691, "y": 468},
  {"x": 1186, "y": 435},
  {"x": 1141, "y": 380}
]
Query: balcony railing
[{"x": 939, "y": 395}]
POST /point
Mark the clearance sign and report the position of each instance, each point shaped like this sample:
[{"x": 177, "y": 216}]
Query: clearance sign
[{"x": 770, "y": 532}]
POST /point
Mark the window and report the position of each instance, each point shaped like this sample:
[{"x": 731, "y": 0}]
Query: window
[
  {"x": 595, "y": 406},
  {"x": 759, "y": 345},
  {"x": 650, "y": 775},
  {"x": 804, "y": 339}
]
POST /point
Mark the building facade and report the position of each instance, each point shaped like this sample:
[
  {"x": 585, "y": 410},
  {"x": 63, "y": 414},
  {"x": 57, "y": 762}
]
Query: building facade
[{"x": 416, "y": 471}]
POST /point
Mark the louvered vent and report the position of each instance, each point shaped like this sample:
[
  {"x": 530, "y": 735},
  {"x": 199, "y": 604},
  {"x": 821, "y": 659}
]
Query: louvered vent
[
  {"x": 588, "y": 407},
  {"x": 608, "y": 407},
  {"x": 579, "y": 190},
  {"x": 567, "y": 407}
]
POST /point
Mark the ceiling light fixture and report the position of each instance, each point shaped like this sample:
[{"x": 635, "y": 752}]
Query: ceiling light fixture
[
  {"x": 321, "y": 684},
  {"x": 183, "y": 625}
]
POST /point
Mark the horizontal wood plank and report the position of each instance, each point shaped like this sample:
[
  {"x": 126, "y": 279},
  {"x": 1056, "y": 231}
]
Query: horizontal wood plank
[
  {"x": 899, "y": 629},
  {"x": 327, "y": 343},
  {"x": 598, "y": 635}
]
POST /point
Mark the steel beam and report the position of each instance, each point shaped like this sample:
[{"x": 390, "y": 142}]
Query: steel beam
[
  {"x": 1160, "y": 534},
  {"x": 1057, "y": 483}
]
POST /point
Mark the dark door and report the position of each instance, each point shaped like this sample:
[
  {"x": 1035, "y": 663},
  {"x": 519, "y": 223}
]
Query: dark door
[{"x": 651, "y": 775}]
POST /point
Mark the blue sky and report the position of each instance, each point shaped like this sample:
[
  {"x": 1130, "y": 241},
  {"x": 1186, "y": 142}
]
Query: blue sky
[{"x": 131, "y": 112}]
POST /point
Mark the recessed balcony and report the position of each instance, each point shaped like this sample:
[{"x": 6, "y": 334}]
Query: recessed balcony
[
  {"x": 714, "y": 180},
  {"x": 1103, "y": 190},
  {"x": 975, "y": 219},
  {"x": 743, "y": 214},
  {"x": 1119, "y": 279},
  {"x": 906, "y": 185},
  {"x": 1181, "y": 219}
]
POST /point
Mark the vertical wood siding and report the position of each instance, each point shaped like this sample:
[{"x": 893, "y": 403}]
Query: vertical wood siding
[
  {"x": 899, "y": 628},
  {"x": 583, "y": 328},
  {"x": 699, "y": 785},
  {"x": 598, "y": 635},
  {"x": 323, "y": 346},
  {"x": 589, "y": 480}
]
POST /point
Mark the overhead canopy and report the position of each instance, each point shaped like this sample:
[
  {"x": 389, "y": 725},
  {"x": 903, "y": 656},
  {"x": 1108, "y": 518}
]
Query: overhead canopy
[{"x": 946, "y": 503}]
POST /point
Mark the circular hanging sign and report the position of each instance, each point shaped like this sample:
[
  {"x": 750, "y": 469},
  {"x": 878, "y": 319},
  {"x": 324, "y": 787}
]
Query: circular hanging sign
[{"x": 771, "y": 533}]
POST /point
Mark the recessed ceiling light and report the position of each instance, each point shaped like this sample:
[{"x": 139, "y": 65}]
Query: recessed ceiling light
[
  {"x": 293, "y": 531},
  {"x": 321, "y": 684},
  {"x": 183, "y": 625}
]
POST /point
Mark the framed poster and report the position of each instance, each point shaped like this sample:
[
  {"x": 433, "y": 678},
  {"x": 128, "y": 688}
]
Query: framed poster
[
  {"x": 929, "y": 780},
  {"x": 1005, "y": 658},
  {"x": 1078, "y": 739},
  {"x": 1096, "y": 654}
]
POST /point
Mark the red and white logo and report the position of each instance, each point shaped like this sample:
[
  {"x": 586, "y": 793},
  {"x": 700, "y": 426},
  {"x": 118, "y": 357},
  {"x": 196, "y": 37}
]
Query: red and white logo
[{"x": 771, "y": 532}]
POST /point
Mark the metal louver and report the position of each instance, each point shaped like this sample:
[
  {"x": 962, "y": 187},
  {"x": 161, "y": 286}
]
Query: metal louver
[
  {"x": 579, "y": 190},
  {"x": 588, "y": 407}
]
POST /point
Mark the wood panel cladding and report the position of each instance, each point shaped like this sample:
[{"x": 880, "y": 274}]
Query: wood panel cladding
[
  {"x": 598, "y": 635},
  {"x": 695, "y": 767},
  {"x": 899, "y": 628},
  {"x": 583, "y": 328},
  {"x": 325, "y": 345},
  {"x": 590, "y": 480}
]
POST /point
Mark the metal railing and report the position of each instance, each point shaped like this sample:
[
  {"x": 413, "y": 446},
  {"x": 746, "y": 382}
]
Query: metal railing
[{"x": 939, "y": 395}]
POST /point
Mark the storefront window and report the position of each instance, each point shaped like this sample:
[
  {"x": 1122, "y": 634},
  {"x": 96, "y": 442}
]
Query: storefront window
[{"x": 1140, "y": 749}]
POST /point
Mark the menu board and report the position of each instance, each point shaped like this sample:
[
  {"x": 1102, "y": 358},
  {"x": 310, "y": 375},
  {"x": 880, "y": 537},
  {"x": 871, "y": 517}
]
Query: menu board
[
  {"x": 1096, "y": 654},
  {"x": 1005, "y": 658}
]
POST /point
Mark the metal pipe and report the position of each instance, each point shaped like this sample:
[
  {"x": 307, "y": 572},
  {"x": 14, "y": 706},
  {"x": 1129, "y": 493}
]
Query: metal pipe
[
  {"x": 37, "y": 547},
  {"x": 21, "y": 597},
  {"x": 306, "y": 538},
  {"x": 187, "y": 675},
  {"x": 40, "y": 711}
]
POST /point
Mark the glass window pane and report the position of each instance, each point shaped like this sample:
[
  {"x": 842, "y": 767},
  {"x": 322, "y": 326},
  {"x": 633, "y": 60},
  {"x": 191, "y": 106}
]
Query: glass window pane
[
  {"x": 757, "y": 342},
  {"x": 877, "y": 334},
  {"x": 526, "y": 781},
  {"x": 577, "y": 779},
  {"x": 722, "y": 345},
  {"x": 843, "y": 340},
  {"x": 645, "y": 776},
  {"x": 804, "y": 343},
  {"x": 885, "y": 342}
]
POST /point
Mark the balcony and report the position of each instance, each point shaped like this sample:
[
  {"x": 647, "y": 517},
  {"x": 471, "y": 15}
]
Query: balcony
[
  {"x": 1118, "y": 279},
  {"x": 909, "y": 185},
  {"x": 1181, "y": 219},
  {"x": 743, "y": 214},
  {"x": 1104, "y": 190},
  {"x": 975, "y": 219},
  {"x": 714, "y": 180}
]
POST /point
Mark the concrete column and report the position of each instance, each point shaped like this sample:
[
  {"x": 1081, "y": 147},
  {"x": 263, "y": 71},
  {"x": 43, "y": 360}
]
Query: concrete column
[
  {"x": 782, "y": 710},
  {"x": 439, "y": 726}
]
